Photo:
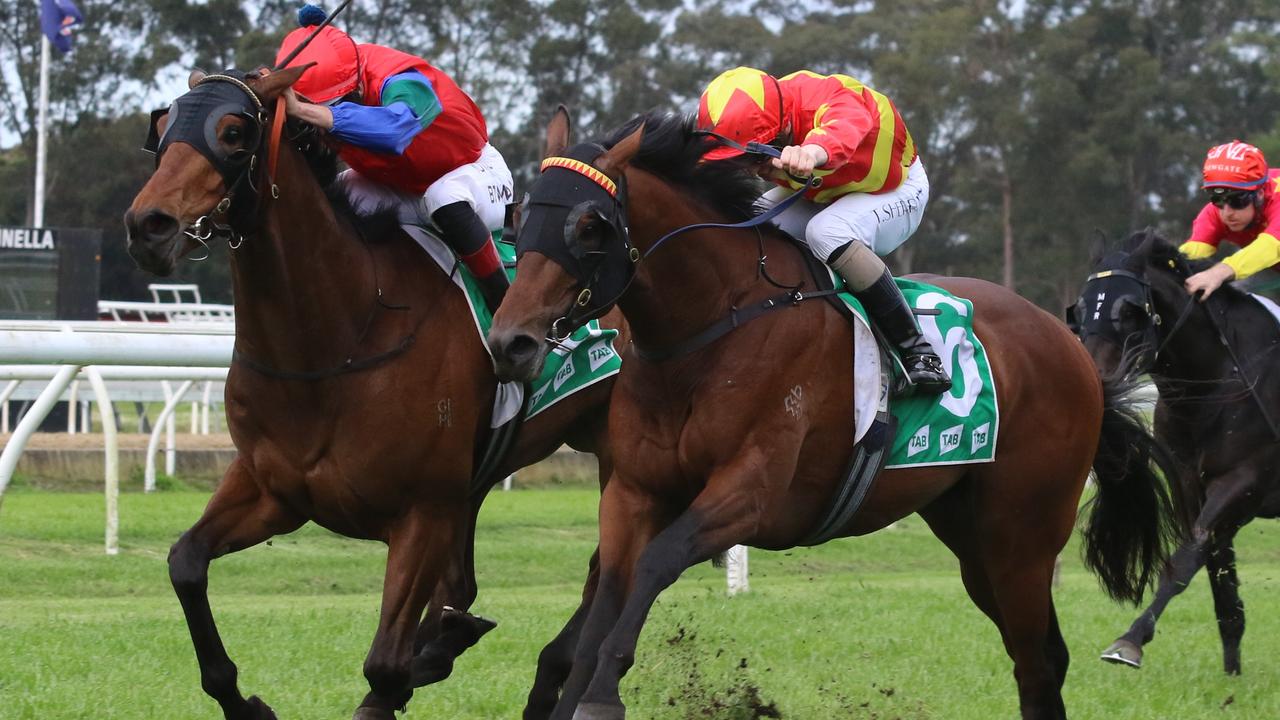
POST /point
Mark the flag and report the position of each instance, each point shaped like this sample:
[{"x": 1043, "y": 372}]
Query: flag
[{"x": 57, "y": 17}]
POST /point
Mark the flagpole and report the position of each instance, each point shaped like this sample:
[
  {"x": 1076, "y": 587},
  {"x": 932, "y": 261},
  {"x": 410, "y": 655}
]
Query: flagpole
[{"x": 41, "y": 132}]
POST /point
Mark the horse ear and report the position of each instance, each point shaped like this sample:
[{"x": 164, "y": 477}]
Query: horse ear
[
  {"x": 558, "y": 131},
  {"x": 271, "y": 84},
  {"x": 195, "y": 77},
  {"x": 615, "y": 160},
  {"x": 1098, "y": 247}
]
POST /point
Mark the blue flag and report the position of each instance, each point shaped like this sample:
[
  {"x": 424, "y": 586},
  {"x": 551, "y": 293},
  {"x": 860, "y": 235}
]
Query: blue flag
[{"x": 57, "y": 17}]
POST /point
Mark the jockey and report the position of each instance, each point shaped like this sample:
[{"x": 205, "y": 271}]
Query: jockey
[
  {"x": 410, "y": 136},
  {"x": 1243, "y": 208},
  {"x": 873, "y": 190}
]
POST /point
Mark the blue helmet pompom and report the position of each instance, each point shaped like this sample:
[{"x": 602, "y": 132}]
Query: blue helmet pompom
[{"x": 310, "y": 15}]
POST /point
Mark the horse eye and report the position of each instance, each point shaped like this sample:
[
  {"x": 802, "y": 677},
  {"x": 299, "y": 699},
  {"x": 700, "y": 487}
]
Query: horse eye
[{"x": 232, "y": 134}]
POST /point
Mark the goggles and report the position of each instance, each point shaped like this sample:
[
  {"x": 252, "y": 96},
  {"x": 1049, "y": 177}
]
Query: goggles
[{"x": 1236, "y": 200}]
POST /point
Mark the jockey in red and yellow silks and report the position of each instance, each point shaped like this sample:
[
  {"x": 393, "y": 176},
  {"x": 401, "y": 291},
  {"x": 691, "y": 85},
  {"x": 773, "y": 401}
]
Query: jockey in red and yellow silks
[
  {"x": 412, "y": 138},
  {"x": 1244, "y": 208},
  {"x": 873, "y": 191}
]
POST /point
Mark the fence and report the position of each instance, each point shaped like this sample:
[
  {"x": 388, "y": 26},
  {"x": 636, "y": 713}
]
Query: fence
[{"x": 61, "y": 351}]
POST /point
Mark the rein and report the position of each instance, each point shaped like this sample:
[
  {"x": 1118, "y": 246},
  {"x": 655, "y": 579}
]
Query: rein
[
  {"x": 1187, "y": 309},
  {"x": 736, "y": 317}
]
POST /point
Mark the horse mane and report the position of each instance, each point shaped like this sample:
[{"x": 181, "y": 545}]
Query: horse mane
[
  {"x": 321, "y": 156},
  {"x": 1162, "y": 254},
  {"x": 672, "y": 149}
]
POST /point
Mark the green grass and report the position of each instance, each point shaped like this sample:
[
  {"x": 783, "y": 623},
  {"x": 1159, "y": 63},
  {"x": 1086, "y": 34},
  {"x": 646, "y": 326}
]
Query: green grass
[{"x": 877, "y": 627}]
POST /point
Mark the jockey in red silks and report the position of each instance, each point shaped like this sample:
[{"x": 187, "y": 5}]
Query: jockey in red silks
[
  {"x": 873, "y": 192},
  {"x": 1243, "y": 208},
  {"x": 411, "y": 137}
]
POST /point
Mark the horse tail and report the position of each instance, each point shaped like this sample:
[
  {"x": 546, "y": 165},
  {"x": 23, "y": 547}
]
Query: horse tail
[{"x": 1138, "y": 509}]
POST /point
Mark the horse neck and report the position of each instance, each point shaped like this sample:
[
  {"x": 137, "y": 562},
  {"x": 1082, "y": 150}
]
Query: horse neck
[
  {"x": 302, "y": 284},
  {"x": 693, "y": 280},
  {"x": 1195, "y": 353}
]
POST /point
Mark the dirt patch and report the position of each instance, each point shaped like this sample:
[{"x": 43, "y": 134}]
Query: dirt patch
[{"x": 698, "y": 698}]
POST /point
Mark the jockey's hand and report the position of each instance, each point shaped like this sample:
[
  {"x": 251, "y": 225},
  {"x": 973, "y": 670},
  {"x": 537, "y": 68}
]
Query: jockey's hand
[
  {"x": 317, "y": 115},
  {"x": 800, "y": 160},
  {"x": 1206, "y": 282}
]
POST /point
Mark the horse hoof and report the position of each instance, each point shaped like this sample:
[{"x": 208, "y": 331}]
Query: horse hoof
[
  {"x": 599, "y": 711},
  {"x": 1123, "y": 652},
  {"x": 365, "y": 712},
  {"x": 429, "y": 667},
  {"x": 259, "y": 710}
]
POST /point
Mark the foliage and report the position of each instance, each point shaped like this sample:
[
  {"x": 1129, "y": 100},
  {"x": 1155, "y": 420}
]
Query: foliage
[{"x": 1039, "y": 120}]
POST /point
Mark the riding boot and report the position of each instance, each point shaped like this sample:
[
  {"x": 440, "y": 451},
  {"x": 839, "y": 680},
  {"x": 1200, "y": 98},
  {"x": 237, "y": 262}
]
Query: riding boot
[
  {"x": 493, "y": 287},
  {"x": 892, "y": 315},
  {"x": 464, "y": 232}
]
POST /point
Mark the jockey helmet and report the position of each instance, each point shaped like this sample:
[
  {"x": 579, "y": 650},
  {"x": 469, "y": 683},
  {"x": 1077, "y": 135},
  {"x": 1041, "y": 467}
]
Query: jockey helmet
[
  {"x": 337, "y": 68},
  {"x": 744, "y": 105},
  {"x": 1236, "y": 166}
]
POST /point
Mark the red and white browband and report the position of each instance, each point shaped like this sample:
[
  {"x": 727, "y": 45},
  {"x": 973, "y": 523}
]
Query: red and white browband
[{"x": 582, "y": 168}]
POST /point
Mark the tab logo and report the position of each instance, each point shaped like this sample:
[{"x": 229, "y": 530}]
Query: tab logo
[
  {"x": 980, "y": 437},
  {"x": 949, "y": 439},
  {"x": 565, "y": 372},
  {"x": 599, "y": 354},
  {"x": 919, "y": 442},
  {"x": 537, "y": 397}
]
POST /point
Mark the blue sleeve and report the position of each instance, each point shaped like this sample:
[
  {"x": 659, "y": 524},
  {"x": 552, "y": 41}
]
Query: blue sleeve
[{"x": 383, "y": 129}]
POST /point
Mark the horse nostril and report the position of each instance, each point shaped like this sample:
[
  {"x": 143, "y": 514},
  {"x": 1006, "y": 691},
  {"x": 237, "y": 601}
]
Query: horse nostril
[
  {"x": 522, "y": 348},
  {"x": 155, "y": 225}
]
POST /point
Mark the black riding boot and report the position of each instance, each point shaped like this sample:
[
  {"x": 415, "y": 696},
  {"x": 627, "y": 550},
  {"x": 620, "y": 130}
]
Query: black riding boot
[
  {"x": 463, "y": 231},
  {"x": 494, "y": 287},
  {"x": 891, "y": 314}
]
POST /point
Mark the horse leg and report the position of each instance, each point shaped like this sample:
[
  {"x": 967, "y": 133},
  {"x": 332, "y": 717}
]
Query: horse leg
[
  {"x": 1225, "y": 497},
  {"x": 418, "y": 550},
  {"x": 951, "y": 520},
  {"x": 722, "y": 515},
  {"x": 556, "y": 659},
  {"x": 448, "y": 629},
  {"x": 1227, "y": 605},
  {"x": 239, "y": 515}
]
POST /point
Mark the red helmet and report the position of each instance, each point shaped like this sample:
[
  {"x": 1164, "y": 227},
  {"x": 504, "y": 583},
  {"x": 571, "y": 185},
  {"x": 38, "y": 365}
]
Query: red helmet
[
  {"x": 1235, "y": 165},
  {"x": 744, "y": 105},
  {"x": 337, "y": 68}
]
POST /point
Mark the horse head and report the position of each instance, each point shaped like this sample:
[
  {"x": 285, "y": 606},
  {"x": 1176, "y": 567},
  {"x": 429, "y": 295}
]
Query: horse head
[
  {"x": 573, "y": 249},
  {"x": 1129, "y": 305},
  {"x": 210, "y": 148}
]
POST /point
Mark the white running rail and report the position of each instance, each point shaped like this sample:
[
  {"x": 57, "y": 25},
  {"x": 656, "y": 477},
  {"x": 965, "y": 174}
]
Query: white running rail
[{"x": 175, "y": 352}]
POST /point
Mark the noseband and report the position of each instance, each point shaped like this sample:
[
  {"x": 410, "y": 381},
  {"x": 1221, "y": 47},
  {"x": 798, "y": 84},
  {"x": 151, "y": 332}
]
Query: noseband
[{"x": 193, "y": 119}]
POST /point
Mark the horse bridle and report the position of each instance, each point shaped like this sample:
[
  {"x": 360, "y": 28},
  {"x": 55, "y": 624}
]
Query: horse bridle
[
  {"x": 607, "y": 200},
  {"x": 573, "y": 257},
  {"x": 193, "y": 119}
]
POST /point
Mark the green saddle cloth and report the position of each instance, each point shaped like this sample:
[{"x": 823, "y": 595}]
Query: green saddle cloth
[
  {"x": 584, "y": 358},
  {"x": 959, "y": 426}
]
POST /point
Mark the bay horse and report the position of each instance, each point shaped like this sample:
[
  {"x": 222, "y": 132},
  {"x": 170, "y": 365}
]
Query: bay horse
[
  {"x": 1217, "y": 410},
  {"x": 742, "y": 439},
  {"x": 360, "y": 394}
]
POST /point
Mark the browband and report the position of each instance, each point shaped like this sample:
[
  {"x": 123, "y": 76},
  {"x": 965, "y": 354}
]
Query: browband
[{"x": 582, "y": 168}]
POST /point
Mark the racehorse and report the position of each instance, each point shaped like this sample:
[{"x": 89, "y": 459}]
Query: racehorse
[
  {"x": 1216, "y": 410},
  {"x": 360, "y": 394},
  {"x": 742, "y": 439}
]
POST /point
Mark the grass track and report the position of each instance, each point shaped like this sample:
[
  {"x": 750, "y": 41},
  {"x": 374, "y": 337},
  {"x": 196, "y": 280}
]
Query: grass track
[{"x": 877, "y": 627}]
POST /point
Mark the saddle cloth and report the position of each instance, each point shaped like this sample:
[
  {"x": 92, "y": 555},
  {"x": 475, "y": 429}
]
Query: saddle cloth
[
  {"x": 956, "y": 427},
  {"x": 583, "y": 359}
]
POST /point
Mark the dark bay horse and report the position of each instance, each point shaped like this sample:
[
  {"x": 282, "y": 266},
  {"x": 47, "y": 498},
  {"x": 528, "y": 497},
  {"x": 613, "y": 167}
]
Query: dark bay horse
[
  {"x": 1218, "y": 408},
  {"x": 361, "y": 393},
  {"x": 743, "y": 439}
]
